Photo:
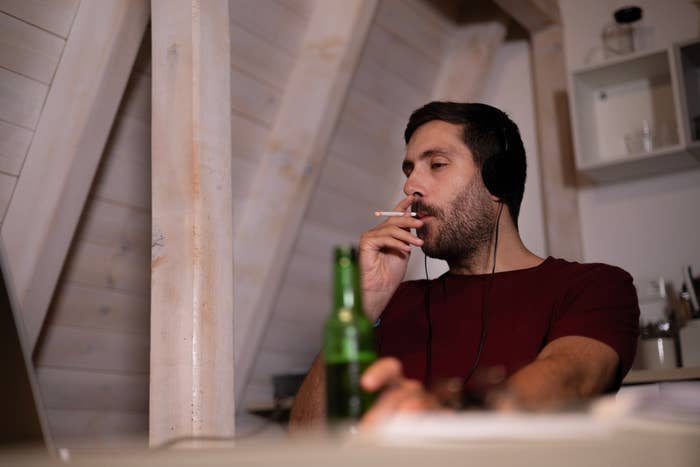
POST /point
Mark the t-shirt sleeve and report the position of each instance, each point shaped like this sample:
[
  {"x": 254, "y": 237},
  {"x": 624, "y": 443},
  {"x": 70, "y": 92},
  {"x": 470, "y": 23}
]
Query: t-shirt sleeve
[{"x": 601, "y": 303}]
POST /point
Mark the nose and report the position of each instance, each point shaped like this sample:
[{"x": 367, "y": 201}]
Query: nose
[{"x": 413, "y": 185}]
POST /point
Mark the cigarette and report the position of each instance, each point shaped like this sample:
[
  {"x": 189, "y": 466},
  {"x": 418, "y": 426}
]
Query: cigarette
[{"x": 393, "y": 213}]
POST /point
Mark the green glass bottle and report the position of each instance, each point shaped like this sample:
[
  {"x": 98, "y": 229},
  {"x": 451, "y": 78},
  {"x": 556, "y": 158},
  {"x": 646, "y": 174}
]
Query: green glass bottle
[{"x": 348, "y": 343}]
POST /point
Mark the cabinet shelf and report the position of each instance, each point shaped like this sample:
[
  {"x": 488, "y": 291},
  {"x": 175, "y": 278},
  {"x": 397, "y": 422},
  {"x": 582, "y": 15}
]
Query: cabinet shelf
[{"x": 632, "y": 102}]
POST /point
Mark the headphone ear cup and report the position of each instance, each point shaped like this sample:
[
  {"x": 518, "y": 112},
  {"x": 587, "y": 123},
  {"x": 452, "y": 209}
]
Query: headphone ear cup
[{"x": 492, "y": 172}]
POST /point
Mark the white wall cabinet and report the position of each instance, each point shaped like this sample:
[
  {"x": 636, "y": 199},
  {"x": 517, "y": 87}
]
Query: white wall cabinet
[{"x": 635, "y": 116}]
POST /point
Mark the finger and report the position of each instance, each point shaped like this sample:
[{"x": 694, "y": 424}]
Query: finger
[
  {"x": 408, "y": 396},
  {"x": 395, "y": 232},
  {"x": 404, "y": 203},
  {"x": 384, "y": 372},
  {"x": 405, "y": 222}
]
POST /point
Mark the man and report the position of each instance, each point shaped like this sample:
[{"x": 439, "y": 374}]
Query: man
[{"x": 554, "y": 330}]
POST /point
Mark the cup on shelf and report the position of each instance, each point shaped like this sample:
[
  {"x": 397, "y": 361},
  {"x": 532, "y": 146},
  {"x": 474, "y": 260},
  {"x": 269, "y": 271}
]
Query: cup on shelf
[{"x": 650, "y": 137}]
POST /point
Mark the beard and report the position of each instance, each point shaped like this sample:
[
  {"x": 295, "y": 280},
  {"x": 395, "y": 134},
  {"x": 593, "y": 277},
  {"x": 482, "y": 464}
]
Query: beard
[{"x": 462, "y": 229}]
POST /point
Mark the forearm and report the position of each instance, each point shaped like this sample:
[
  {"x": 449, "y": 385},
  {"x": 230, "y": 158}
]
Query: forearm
[
  {"x": 309, "y": 410},
  {"x": 543, "y": 383},
  {"x": 573, "y": 369}
]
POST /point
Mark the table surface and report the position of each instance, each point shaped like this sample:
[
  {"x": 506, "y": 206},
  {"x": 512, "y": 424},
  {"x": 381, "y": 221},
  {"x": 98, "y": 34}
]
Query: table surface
[{"x": 637, "y": 443}]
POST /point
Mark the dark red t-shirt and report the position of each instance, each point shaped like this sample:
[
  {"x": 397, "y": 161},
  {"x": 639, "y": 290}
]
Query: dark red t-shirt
[{"x": 526, "y": 309}]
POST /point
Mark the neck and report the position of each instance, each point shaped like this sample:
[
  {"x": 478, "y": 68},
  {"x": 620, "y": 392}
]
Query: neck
[{"x": 511, "y": 255}]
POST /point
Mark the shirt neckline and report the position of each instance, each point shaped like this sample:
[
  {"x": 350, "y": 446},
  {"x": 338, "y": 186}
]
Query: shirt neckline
[{"x": 449, "y": 275}]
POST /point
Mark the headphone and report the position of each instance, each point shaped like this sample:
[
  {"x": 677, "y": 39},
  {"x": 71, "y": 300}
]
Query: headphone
[{"x": 500, "y": 178}]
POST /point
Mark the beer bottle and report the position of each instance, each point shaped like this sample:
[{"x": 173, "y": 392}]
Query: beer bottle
[{"x": 348, "y": 343}]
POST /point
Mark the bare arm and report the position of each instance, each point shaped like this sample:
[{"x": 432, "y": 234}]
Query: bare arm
[
  {"x": 309, "y": 410},
  {"x": 568, "y": 368}
]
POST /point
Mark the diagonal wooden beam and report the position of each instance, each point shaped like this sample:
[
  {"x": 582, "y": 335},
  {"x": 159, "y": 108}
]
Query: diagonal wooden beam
[
  {"x": 66, "y": 150},
  {"x": 290, "y": 166},
  {"x": 191, "y": 384},
  {"x": 533, "y": 15},
  {"x": 467, "y": 61}
]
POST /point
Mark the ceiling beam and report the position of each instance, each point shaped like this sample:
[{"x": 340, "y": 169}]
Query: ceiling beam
[
  {"x": 66, "y": 149},
  {"x": 533, "y": 15},
  {"x": 291, "y": 162},
  {"x": 191, "y": 382}
]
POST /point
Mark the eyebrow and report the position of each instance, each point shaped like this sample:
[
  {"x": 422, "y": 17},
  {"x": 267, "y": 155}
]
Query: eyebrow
[{"x": 407, "y": 165}]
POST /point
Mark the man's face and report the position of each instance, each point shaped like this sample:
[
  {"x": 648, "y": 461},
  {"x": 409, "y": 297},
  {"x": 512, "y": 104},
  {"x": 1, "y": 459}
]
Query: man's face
[{"x": 449, "y": 195}]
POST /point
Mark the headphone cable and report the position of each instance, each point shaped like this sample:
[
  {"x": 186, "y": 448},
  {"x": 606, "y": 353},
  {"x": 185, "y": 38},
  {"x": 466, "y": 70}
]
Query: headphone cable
[{"x": 484, "y": 308}]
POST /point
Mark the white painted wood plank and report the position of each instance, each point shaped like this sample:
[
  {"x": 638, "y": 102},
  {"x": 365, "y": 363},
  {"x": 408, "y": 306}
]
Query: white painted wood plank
[
  {"x": 290, "y": 166},
  {"x": 242, "y": 175},
  {"x": 248, "y": 138},
  {"x": 191, "y": 373},
  {"x": 28, "y": 50},
  {"x": 302, "y": 8},
  {"x": 99, "y": 429},
  {"x": 271, "y": 21},
  {"x": 307, "y": 273},
  {"x": 136, "y": 102},
  {"x": 340, "y": 212},
  {"x": 406, "y": 23},
  {"x": 54, "y": 15},
  {"x": 317, "y": 240},
  {"x": 382, "y": 124},
  {"x": 90, "y": 349},
  {"x": 108, "y": 267},
  {"x": 387, "y": 89},
  {"x": 14, "y": 143},
  {"x": 369, "y": 187},
  {"x": 358, "y": 147},
  {"x": 428, "y": 13},
  {"x": 468, "y": 60},
  {"x": 253, "y": 98},
  {"x": 66, "y": 149},
  {"x": 129, "y": 141},
  {"x": 124, "y": 180},
  {"x": 116, "y": 225},
  {"x": 7, "y": 186},
  {"x": 99, "y": 308},
  {"x": 259, "y": 58},
  {"x": 533, "y": 15},
  {"x": 393, "y": 54},
  {"x": 69, "y": 389},
  {"x": 21, "y": 99},
  {"x": 303, "y": 306}
]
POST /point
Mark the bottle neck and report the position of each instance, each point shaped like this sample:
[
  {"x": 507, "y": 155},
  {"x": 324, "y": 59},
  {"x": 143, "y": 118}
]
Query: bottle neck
[{"x": 346, "y": 295}]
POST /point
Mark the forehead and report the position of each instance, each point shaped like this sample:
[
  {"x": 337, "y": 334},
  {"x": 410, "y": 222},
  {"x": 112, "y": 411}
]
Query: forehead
[{"x": 437, "y": 136}]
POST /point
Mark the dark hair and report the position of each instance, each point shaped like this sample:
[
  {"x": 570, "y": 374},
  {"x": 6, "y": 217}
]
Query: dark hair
[{"x": 487, "y": 131}]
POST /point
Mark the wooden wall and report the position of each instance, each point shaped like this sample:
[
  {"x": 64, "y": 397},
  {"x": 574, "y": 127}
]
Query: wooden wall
[
  {"x": 32, "y": 37},
  {"x": 396, "y": 74},
  {"x": 92, "y": 357}
]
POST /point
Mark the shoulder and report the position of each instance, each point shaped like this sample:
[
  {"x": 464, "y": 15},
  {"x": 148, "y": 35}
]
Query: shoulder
[{"x": 575, "y": 275}]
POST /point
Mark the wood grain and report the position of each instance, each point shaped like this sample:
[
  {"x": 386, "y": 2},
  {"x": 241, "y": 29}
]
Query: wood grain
[{"x": 191, "y": 372}]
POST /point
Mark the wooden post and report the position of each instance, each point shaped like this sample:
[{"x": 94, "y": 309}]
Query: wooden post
[
  {"x": 66, "y": 150},
  {"x": 559, "y": 185},
  {"x": 191, "y": 390},
  {"x": 291, "y": 163}
]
